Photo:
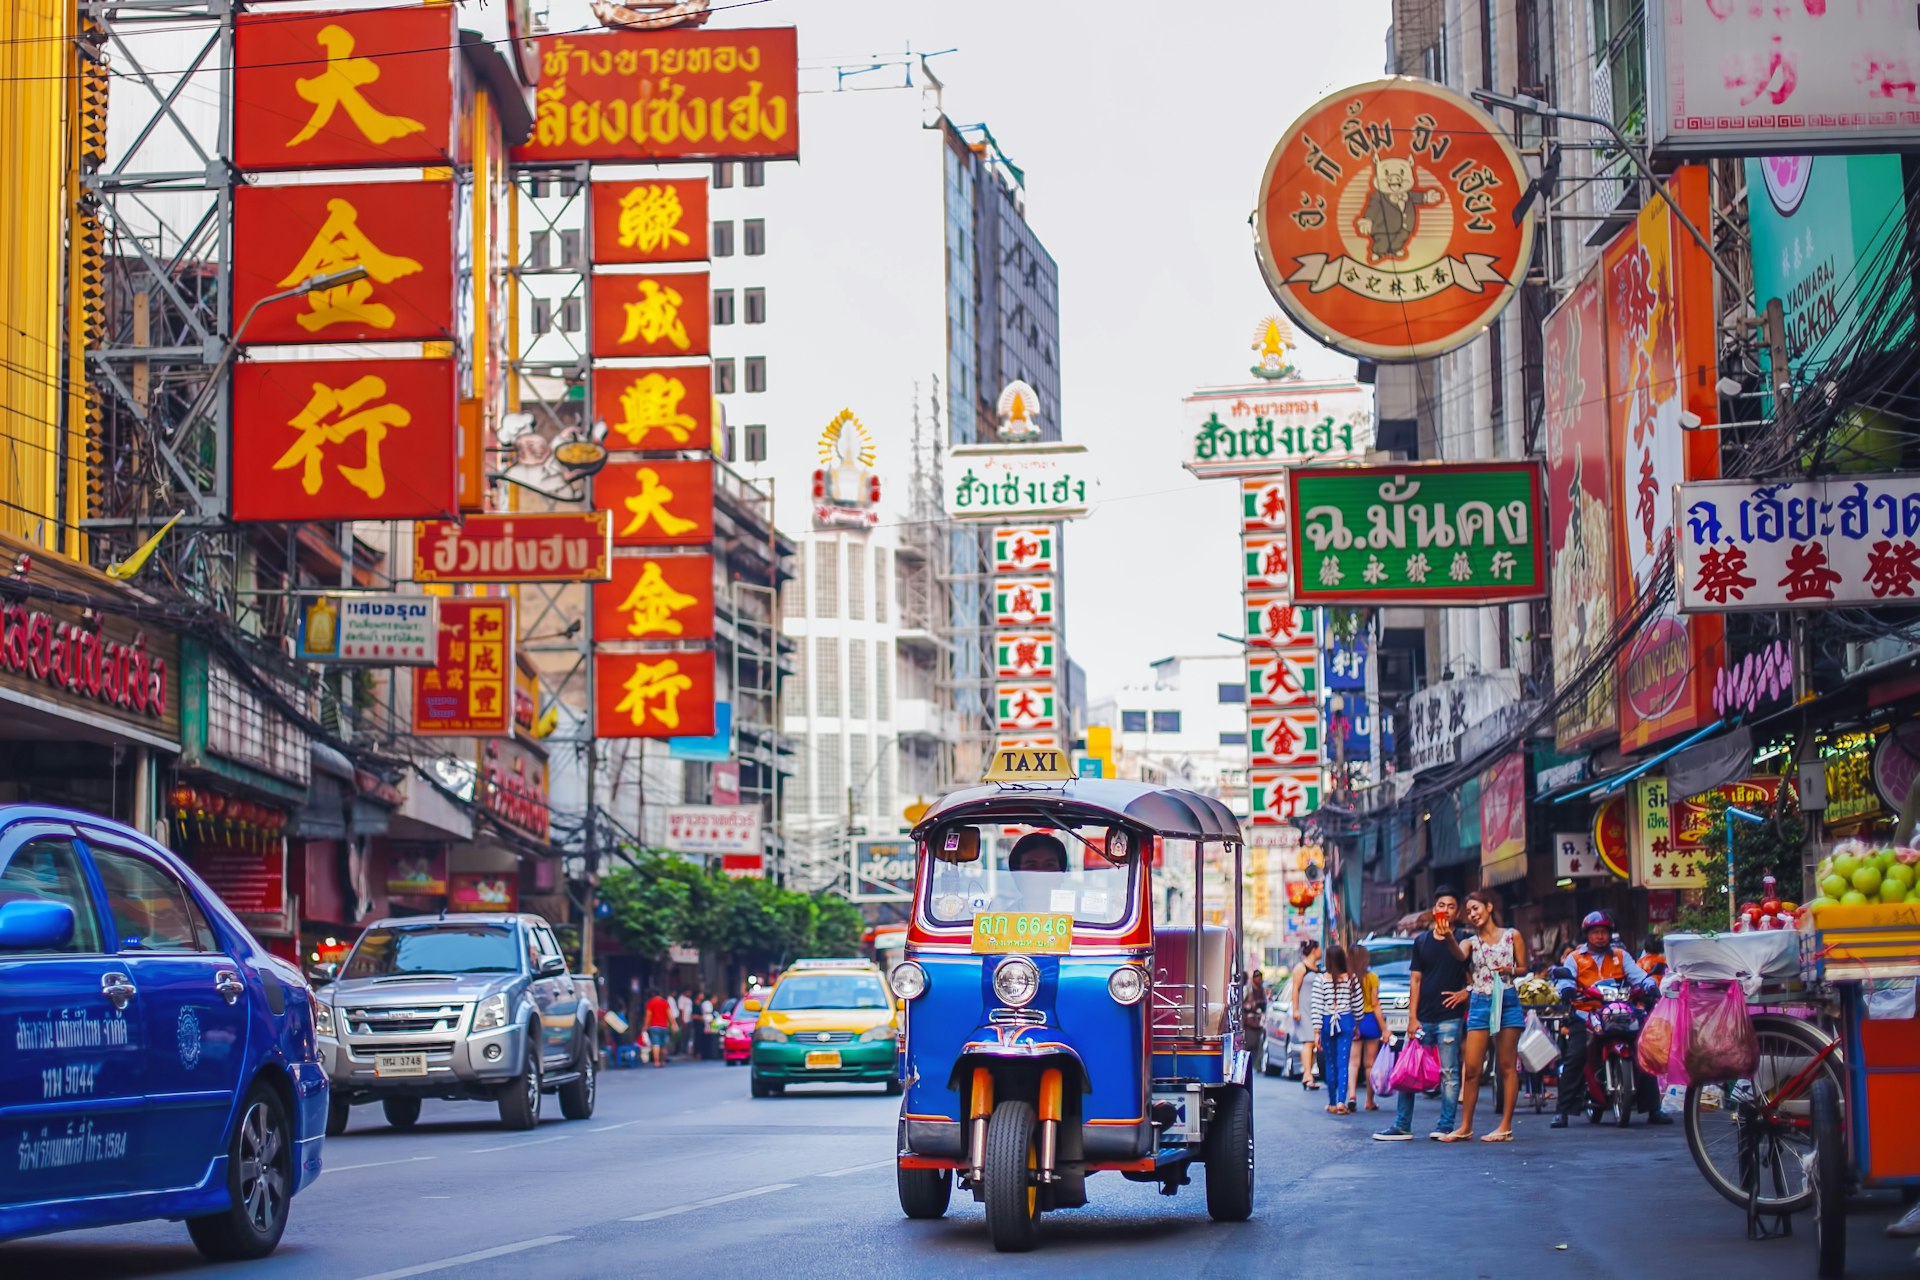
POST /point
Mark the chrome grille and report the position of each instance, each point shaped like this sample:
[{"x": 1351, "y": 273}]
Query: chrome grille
[
  {"x": 432, "y": 1048},
  {"x": 823, "y": 1037},
  {"x": 374, "y": 1022},
  {"x": 1018, "y": 1017}
]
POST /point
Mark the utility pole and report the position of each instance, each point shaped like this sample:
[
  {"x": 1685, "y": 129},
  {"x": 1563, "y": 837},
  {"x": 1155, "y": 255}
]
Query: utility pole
[{"x": 591, "y": 902}]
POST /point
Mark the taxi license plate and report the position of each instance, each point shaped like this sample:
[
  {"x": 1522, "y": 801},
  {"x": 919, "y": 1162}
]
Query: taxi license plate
[
  {"x": 1033, "y": 932},
  {"x": 399, "y": 1064},
  {"x": 823, "y": 1059}
]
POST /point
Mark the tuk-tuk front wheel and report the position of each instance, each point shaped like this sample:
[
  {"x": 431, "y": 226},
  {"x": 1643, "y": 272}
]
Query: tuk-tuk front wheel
[
  {"x": 924, "y": 1192},
  {"x": 1228, "y": 1154},
  {"x": 1013, "y": 1198}
]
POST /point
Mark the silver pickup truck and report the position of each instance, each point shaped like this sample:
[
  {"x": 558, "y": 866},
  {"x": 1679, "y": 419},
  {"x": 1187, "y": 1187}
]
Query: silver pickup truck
[{"x": 458, "y": 1006}]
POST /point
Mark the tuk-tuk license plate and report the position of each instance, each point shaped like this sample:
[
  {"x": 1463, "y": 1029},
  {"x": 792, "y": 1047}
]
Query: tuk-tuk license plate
[
  {"x": 1035, "y": 932},
  {"x": 388, "y": 1065},
  {"x": 823, "y": 1059}
]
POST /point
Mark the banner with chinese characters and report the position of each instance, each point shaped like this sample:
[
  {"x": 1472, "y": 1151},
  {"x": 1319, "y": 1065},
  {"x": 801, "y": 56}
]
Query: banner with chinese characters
[
  {"x": 1274, "y": 621},
  {"x": 651, "y": 314},
  {"x": 345, "y": 89},
  {"x": 1284, "y": 725},
  {"x": 468, "y": 692},
  {"x": 535, "y": 546},
  {"x": 1657, "y": 862},
  {"x": 401, "y": 232},
  {"x": 662, "y": 694},
  {"x": 1027, "y": 549},
  {"x": 1575, "y": 858},
  {"x": 1418, "y": 533},
  {"x": 1279, "y": 797},
  {"x": 657, "y": 503},
  {"x": 1024, "y": 655},
  {"x": 1023, "y": 602},
  {"x": 712, "y": 828},
  {"x": 1268, "y": 562},
  {"x": 511, "y": 784},
  {"x": 343, "y": 440},
  {"x": 661, "y": 408},
  {"x": 1257, "y": 430},
  {"x": 682, "y": 94},
  {"x": 1289, "y": 738},
  {"x": 652, "y": 220},
  {"x": 656, "y": 598},
  {"x": 1025, "y": 481},
  {"x": 1805, "y": 544},
  {"x": 1274, "y": 676},
  {"x": 1025, "y": 707}
]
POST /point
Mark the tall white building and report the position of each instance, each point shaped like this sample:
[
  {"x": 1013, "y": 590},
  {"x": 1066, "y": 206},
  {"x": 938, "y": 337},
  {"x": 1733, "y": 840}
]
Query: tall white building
[{"x": 1184, "y": 724}]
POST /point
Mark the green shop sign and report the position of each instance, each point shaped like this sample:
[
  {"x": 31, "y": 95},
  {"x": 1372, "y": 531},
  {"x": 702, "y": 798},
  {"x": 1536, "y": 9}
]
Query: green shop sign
[{"x": 1466, "y": 533}]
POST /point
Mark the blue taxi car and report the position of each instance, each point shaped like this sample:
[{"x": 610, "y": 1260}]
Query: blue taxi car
[{"x": 155, "y": 1061}]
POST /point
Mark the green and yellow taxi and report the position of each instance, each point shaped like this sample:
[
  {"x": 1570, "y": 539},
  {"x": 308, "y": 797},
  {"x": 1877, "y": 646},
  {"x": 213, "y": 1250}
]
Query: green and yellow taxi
[{"x": 826, "y": 1021}]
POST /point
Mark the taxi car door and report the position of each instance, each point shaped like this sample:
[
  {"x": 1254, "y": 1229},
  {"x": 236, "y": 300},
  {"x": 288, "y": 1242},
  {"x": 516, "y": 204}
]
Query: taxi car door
[
  {"x": 194, "y": 1003},
  {"x": 71, "y": 1039}
]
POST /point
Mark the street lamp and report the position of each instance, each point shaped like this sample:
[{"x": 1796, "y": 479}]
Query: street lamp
[{"x": 1733, "y": 894}]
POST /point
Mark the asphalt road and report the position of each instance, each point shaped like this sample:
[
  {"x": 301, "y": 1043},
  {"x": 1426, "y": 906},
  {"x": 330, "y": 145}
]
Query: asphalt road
[{"x": 681, "y": 1174}]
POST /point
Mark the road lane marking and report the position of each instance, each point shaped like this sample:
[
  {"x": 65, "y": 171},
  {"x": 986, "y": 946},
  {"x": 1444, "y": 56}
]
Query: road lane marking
[
  {"x": 374, "y": 1164},
  {"x": 711, "y": 1201},
  {"x": 524, "y": 1142},
  {"x": 478, "y": 1255},
  {"x": 858, "y": 1168},
  {"x": 609, "y": 1128}
]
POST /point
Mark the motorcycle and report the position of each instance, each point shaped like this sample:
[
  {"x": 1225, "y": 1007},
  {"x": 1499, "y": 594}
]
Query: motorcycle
[{"x": 1614, "y": 1028}]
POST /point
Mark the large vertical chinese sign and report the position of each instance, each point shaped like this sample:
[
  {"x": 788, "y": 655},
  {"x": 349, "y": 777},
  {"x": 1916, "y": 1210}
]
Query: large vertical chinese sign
[
  {"x": 657, "y": 502},
  {"x": 1284, "y": 740},
  {"x": 1580, "y": 504},
  {"x": 1026, "y": 697},
  {"x": 650, "y": 314},
  {"x": 652, "y": 220},
  {"x": 655, "y": 694},
  {"x": 655, "y": 408},
  {"x": 1661, "y": 362},
  {"x": 468, "y": 692},
  {"x": 653, "y": 597}
]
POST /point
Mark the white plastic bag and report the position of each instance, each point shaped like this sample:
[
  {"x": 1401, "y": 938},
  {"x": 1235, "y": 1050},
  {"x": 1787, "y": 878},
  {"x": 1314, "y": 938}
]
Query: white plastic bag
[
  {"x": 1538, "y": 1049},
  {"x": 1890, "y": 999}
]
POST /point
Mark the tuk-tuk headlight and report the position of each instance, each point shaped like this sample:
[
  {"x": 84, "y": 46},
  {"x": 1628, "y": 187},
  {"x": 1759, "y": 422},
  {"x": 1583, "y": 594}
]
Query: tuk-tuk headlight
[
  {"x": 908, "y": 980},
  {"x": 1016, "y": 981},
  {"x": 1127, "y": 984}
]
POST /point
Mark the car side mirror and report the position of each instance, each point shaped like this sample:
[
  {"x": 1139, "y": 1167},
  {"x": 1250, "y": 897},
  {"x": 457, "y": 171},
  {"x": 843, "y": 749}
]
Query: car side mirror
[
  {"x": 753, "y": 1006},
  {"x": 552, "y": 967},
  {"x": 34, "y": 924}
]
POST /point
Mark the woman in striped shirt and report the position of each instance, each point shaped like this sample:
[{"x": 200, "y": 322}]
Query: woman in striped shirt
[{"x": 1336, "y": 1001}]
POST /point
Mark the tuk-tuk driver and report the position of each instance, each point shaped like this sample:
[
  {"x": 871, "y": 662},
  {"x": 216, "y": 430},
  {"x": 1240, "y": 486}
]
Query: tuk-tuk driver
[
  {"x": 1038, "y": 851},
  {"x": 1034, "y": 852}
]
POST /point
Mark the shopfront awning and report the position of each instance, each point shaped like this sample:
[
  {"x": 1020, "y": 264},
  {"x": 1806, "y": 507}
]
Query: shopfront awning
[{"x": 427, "y": 813}]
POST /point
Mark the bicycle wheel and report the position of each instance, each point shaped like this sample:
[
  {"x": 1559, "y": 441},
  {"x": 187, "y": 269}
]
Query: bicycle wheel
[{"x": 1742, "y": 1154}]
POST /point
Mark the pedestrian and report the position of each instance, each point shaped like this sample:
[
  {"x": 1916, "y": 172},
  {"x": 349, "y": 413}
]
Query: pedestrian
[
  {"x": 1367, "y": 1026},
  {"x": 1305, "y": 1031},
  {"x": 709, "y": 1022},
  {"x": 1334, "y": 1002},
  {"x": 1253, "y": 1009},
  {"x": 683, "y": 1006},
  {"x": 1495, "y": 955},
  {"x": 660, "y": 1027},
  {"x": 1436, "y": 999}
]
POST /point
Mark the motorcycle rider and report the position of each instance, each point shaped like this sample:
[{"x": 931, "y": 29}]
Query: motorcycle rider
[{"x": 1599, "y": 959}]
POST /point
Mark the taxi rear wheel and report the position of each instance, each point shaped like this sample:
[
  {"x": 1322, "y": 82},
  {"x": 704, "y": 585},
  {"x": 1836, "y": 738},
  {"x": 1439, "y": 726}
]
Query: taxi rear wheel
[
  {"x": 1013, "y": 1211},
  {"x": 259, "y": 1184},
  {"x": 924, "y": 1193},
  {"x": 1228, "y": 1155}
]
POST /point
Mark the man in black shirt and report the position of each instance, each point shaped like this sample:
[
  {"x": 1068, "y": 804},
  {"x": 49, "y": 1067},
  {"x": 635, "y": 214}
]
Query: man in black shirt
[{"x": 1438, "y": 1014}]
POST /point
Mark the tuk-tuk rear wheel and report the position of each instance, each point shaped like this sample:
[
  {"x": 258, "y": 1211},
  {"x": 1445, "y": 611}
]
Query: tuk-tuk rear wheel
[
  {"x": 1228, "y": 1153},
  {"x": 1013, "y": 1209},
  {"x": 924, "y": 1193}
]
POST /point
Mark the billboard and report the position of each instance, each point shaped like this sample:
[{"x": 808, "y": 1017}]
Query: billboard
[
  {"x": 652, "y": 220},
  {"x": 1258, "y": 430},
  {"x": 386, "y": 630},
  {"x": 656, "y": 598},
  {"x": 713, "y": 828},
  {"x": 657, "y": 694},
  {"x": 649, "y": 313},
  {"x": 658, "y": 408},
  {"x": 882, "y": 870},
  {"x": 657, "y": 503},
  {"x": 468, "y": 692},
  {"x": 1805, "y": 544},
  {"x": 527, "y": 546},
  {"x": 1015, "y": 481}
]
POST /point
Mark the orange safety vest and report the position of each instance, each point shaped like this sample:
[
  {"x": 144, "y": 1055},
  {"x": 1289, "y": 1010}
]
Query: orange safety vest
[{"x": 1589, "y": 972}]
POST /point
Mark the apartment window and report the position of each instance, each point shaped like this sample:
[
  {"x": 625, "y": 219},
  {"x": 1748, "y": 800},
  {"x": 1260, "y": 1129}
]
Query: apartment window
[
  {"x": 723, "y": 173},
  {"x": 757, "y": 443},
  {"x": 538, "y": 256},
  {"x": 730, "y": 454},
  {"x": 570, "y": 314},
  {"x": 882, "y": 680},
  {"x": 753, "y": 173},
  {"x": 755, "y": 301},
  {"x": 723, "y": 306},
  {"x": 793, "y": 592},
  {"x": 882, "y": 789},
  {"x": 856, "y": 581},
  {"x": 829, "y": 791},
  {"x": 1233, "y": 739},
  {"x": 723, "y": 377},
  {"x": 1166, "y": 722},
  {"x": 542, "y": 316},
  {"x": 826, "y": 675},
  {"x": 756, "y": 373},
  {"x": 723, "y": 239},
  {"x": 800, "y": 788},
  {"x": 570, "y": 255},
  {"x": 796, "y": 691},
  {"x": 753, "y": 231},
  {"x": 857, "y": 749},
  {"x": 1230, "y": 692},
  {"x": 1619, "y": 33},
  {"x": 1133, "y": 722},
  {"x": 857, "y": 679},
  {"x": 826, "y": 578},
  {"x": 881, "y": 572}
]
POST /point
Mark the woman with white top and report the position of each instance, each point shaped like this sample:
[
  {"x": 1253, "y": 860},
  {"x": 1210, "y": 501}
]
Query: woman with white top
[{"x": 1495, "y": 956}]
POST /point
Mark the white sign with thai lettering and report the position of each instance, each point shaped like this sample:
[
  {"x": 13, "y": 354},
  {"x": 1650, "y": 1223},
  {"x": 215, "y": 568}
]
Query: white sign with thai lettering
[
  {"x": 714, "y": 828},
  {"x": 1807, "y": 544},
  {"x": 1026, "y": 481}
]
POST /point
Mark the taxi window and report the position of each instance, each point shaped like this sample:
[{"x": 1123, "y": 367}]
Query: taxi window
[
  {"x": 48, "y": 870},
  {"x": 829, "y": 991},
  {"x": 1090, "y": 881},
  {"x": 151, "y": 909}
]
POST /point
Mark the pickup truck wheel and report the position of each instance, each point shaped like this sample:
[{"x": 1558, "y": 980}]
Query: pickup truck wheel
[
  {"x": 402, "y": 1113},
  {"x": 259, "y": 1184},
  {"x": 576, "y": 1099},
  {"x": 520, "y": 1104},
  {"x": 338, "y": 1110}
]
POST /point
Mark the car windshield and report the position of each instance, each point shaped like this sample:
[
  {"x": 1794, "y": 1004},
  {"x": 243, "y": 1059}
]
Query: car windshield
[
  {"x": 441, "y": 948},
  {"x": 829, "y": 991},
  {"x": 1035, "y": 870},
  {"x": 1382, "y": 952},
  {"x": 1395, "y": 973}
]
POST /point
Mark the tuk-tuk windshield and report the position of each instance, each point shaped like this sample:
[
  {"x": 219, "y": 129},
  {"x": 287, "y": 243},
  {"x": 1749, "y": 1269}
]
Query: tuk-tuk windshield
[{"x": 1088, "y": 874}]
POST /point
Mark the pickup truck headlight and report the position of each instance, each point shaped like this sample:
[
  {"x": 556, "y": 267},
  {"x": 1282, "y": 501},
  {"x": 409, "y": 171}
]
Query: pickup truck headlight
[
  {"x": 491, "y": 1013},
  {"x": 879, "y": 1033},
  {"x": 322, "y": 1017},
  {"x": 770, "y": 1035}
]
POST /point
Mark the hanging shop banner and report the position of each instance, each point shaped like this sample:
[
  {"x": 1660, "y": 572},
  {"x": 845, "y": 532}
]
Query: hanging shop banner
[
  {"x": 661, "y": 694},
  {"x": 1273, "y": 621},
  {"x": 1024, "y": 655},
  {"x": 343, "y": 440},
  {"x": 468, "y": 692},
  {"x": 1657, "y": 862},
  {"x": 712, "y": 828},
  {"x": 1030, "y": 481},
  {"x": 401, "y": 232},
  {"x": 1441, "y": 712},
  {"x": 657, "y": 503},
  {"x": 656, "y": 598},
  {"x": 483, "y": 891},
  {"x": 1760, "y": 79},
  {"x": 1809, "y": 544},
  {"x": 511, "y": 784},
  {"x": 655, "y": 409},
  {"x": 1389, "y": 223},
  {"x": 385, "y": 630},
  {"x": 651, "y": 314},
  {"x": 1345, "y": 663},
  {"x": 1025, "y": 707},
  {"x": 1028, "y": 549},
  {"x": 543, "y": 546},
  {"x": 1267, "y": 562},
  {"x": 1280, "y": 677},
  {"x": 250, "y": 877},
  {"x": 1257, "y": 430},
  {"x": 1575, "y": 858},
  {"x": 1660, "y": 363},
  {"x": 99, "y": 666},
  {"x": 882, "y": 870},
  {"x": 1282, "y": 796},
  {"x": 1693, "y": 816},
  {"x": 1503, "y": 820},
  {"x": 1580, "y": 476},
  {"x": 1611, "y": 839},
  {"x": 1023, "y": 602},
  {"x": 417, "y": 869},
  {"x": 1287, "y": 738},
  {"x": 653, "y": 220},
  {"x": 1847, "y": 762},
  {"x": 1263, "y": 504},
  {"x": 682, "y": 94},
  {"x": 1421, "y": 534}
]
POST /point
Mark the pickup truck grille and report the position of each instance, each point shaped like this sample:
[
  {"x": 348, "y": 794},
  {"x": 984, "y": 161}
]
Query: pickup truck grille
[
  {"x": 432, "y": 1048},
  {"x": 371, "y": 1022}
]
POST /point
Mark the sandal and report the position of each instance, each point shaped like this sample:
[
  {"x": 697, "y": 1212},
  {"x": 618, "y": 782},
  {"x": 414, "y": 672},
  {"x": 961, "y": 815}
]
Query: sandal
[
  {"x": 1499, "y": 1135},
  {"x": 1373, "y": 1106},
  {"x": 1457, "y": 1136}
]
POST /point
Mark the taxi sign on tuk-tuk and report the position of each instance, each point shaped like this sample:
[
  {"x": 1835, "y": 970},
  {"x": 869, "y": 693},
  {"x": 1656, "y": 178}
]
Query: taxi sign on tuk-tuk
[
  {"x": 1028, "y": 766},
  {"x": 1031, "y": 932}
]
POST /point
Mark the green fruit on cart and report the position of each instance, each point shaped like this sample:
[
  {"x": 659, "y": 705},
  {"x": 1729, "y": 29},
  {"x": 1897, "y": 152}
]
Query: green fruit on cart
[
  {"x": 1867, "y": 880},
  {"x": 1893, "y": 891},
  {"x": 1834, "y": 885},
  {"x": 1853, "y": 898}
]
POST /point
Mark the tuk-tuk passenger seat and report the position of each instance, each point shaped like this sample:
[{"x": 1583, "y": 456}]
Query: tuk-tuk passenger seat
[{"x": 1171, "y": 1010}]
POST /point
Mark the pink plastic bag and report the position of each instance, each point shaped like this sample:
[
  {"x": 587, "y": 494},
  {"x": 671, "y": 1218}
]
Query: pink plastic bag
[
  {"x": 1655, "y": 1049},
  {"x": 1380, "y": 1077},
  {"x": 1417, "y": 1069},
  {"x": 1720, "y": 1043}
]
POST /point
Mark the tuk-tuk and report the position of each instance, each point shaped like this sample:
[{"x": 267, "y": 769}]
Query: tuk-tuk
[{"x": 1072, "y": 984}]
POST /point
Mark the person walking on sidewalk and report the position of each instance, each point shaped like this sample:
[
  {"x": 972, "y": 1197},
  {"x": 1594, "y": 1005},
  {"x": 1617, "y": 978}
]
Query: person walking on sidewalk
[
  {"x": 659, "y": 1027},
  {"x": 1305, "y": 1031},
  {"x": 1436, "y": 1016},
  {"x": 1495, "y": 957},
  {"x": 1367, "y": 1026},
  {"x": 1334, "y": 1002}
]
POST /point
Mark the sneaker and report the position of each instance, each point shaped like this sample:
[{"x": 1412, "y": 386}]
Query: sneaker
[
  {"x": 1560, "y": 1121},
  {"x": 1393, "y": 1135}
]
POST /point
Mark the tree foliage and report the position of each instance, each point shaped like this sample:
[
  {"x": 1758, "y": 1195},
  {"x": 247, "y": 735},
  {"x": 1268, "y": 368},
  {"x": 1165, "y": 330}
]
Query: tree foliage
[
  {"x": 658, "y": 900},
  {"x": 1770, "y": 848}
]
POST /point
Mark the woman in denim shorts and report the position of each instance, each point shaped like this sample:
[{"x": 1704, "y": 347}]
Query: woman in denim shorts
[{"x": 1495, "y": 957}]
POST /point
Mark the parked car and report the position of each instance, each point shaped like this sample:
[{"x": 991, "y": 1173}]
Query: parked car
[
  {"x": 1278, "y": 1055},
  {"x": 161, "y": 1063},
  {"x": 474, "y": 1006}
]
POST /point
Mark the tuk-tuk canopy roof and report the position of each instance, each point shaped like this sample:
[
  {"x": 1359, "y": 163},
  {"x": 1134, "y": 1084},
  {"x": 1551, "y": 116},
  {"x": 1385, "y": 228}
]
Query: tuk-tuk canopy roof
[{"x": 1165, "y": 811}]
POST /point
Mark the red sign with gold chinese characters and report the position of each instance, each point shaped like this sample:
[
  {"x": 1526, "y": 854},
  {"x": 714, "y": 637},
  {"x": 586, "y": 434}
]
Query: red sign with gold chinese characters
[
  {"x": 653, "y": 695},
  {"x": 656, "y": 598},
  {"x": 667, "y": 95},
  {"x": 542, "y": 546},
  {"x": 645, "y": 314},
  {"x": 653, "y": 220},
  {"x": 1385, "y": 220},
  {"x": 468, "y": 692},
  {"x": 657, "y": 503},
  {"x": 401, "y": 232},
  {"x": 343, "y": 440},
  {"x": 664, "y": 408},
  {"x": 345, "y": 89}
]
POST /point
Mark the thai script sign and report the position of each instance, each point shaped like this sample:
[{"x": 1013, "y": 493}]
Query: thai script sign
[
  {"x": 658, "y": 694},
  {"x": 698, "y": 828},
  {"x": 1658, "y": 862},
  {"x": 1259, "y": 430},
  {"x": 1437, "y": 533},
  {"x": 1575, "y": 858},
  {"x": 667, "y": 95},
  {"x": 468, "y": 690},
  {"x": 118, "y": 672},
  {"x": 1726, "y": 78},
  {"x": 389, "y": 630},
  {"x": 550, "y": 546},
  {"x": 998, "y": 482},
  {"x": 1836, "y": 540},
  {"x": 653, "y": 220},
  {"x": 882, "y": 870},
  {"x": 1389, "y": 222},
  {"x": 511, "y": 784}
]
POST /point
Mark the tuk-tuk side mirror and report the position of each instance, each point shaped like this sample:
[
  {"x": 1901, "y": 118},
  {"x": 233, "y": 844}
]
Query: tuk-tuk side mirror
[{"x": 958, "y": 844}]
